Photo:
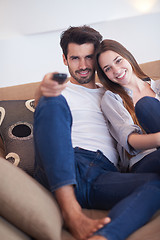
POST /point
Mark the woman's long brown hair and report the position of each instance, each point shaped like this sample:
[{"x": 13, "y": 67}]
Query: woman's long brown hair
[{"x": 115, "y": 46}]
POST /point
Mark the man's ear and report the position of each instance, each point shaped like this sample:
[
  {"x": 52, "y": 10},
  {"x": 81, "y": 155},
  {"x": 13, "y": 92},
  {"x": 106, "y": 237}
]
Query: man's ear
[{"x": 65, "y": 60}]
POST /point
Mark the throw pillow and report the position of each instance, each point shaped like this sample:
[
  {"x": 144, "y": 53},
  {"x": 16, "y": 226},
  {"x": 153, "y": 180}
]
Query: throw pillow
[{"x": 16, "y": 130}]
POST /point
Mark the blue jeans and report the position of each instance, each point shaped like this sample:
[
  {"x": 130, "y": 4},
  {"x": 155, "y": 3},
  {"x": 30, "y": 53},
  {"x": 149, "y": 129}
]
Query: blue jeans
[
  {"x": 147, "y": 110},
  {"x": 98, "y": 183}
]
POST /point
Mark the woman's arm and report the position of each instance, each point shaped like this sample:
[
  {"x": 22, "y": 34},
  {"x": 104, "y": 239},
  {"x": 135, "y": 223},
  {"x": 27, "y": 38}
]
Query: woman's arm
[
  {"x": 119, "y": 120},
  {"x": 122, "y": 128},
  {"x": 144, "y": 141}
]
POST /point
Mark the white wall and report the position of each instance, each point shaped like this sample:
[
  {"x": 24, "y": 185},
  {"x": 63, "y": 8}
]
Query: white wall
[
  {"x": 22, "y": 17},
  {"x": 140, "y": 35},
  {"x": 27, "y": 58}
]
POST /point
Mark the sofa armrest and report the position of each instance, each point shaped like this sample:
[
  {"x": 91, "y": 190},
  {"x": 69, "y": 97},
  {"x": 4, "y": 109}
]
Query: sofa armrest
[
  {"x": 27, "y": 204},
  {"x": 8, "y": 231}
]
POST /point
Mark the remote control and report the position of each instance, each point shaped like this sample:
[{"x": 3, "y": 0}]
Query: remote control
[{"x": 60, "y": 77}]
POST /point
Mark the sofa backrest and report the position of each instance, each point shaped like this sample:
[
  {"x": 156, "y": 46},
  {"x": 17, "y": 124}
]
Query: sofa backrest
[
  {"x": 19, "y": 92},
  {"x": 152, "y": 69},
  {"x": 26, "y": 91}
]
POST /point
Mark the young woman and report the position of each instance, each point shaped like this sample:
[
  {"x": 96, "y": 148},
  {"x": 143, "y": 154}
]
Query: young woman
[{"x": 130, "y": 103}]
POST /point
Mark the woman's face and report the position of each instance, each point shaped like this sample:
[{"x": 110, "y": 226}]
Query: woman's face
[{"x": 115, "y": 67}]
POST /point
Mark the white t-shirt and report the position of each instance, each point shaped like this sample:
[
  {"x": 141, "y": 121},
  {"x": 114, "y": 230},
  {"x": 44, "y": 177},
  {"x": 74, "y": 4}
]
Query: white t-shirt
[{"x": 89, "y": 129}]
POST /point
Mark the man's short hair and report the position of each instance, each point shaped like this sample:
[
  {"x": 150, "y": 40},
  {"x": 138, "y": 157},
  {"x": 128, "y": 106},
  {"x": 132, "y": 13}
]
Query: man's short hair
[{"x": 79, "y": 35}]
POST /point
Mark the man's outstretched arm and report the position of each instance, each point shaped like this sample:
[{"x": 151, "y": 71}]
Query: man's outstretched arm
[{"x": 48, "y": 88}]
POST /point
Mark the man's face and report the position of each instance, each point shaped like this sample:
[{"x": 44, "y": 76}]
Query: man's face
[{"x": 80, "y": 62}]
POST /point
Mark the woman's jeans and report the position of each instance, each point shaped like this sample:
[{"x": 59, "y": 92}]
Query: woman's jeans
[
  {"x": 147, "y": 110},
  {"x": 132, "y": 197}
]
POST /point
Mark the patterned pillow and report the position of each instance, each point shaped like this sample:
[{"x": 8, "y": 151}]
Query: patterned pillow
[{"x": 16, "y": 130}]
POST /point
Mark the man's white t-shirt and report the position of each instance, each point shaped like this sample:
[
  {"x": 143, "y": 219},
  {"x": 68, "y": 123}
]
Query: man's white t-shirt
[{"x": 89, "y": 128}]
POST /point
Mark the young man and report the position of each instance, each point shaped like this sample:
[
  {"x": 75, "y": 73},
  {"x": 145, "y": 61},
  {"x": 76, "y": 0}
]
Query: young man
[{"x": 76, "y": 158}]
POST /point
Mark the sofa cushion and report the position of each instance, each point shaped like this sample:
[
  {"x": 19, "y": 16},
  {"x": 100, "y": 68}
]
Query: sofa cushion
[
  {"x": 16, "y": 130},
  {"x": 28, "y": 205}
]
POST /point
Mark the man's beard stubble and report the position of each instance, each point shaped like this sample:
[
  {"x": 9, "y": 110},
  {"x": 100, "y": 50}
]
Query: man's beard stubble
[{"x": 82, "y": 80}]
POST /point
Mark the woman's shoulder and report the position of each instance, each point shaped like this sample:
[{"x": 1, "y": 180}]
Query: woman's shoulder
[
  {"x": 157, "y": 82},
  {"x": 155, "y": 85},
  {"x": 111, "y": 99},
  {"x": 109, "y": 94}
]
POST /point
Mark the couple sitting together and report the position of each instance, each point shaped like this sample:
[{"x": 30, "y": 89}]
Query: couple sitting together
[{"x": 97, "y": 144}]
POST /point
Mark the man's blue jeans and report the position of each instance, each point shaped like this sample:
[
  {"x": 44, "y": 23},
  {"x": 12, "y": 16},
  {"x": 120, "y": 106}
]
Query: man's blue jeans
[{"x": 133, "y": 198}]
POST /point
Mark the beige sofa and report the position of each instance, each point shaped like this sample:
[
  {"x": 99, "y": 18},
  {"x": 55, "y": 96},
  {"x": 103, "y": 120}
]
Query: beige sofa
[{"x": 27, "y": 210}]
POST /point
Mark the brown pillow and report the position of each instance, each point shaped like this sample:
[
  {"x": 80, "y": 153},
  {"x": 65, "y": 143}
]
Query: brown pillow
[
  {"x": 27, "y": 204},
  {"x": 16, "y": 130}
]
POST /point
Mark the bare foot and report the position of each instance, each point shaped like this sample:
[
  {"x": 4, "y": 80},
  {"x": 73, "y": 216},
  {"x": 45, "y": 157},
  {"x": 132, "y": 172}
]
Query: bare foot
[
  {"x": 97, "y": 237},
  {"x": 83, "y": 227}
]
